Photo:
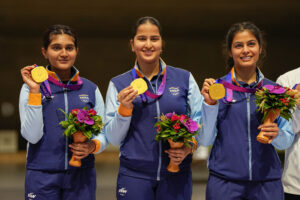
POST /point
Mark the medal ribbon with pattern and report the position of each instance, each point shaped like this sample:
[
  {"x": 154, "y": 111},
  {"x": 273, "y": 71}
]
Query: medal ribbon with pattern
[
  {"x": 160, "y": 90},
  {"x": 45, "y": 87},
  {"x": 228, "y": 84}
]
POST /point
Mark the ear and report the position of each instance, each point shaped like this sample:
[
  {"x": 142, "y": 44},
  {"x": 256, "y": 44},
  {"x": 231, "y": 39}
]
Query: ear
[
  {"x": 44, "y": 52},
  {"x": 132, "y": 45},
  {"x": 260, "y": 50},
  {"x": 229, "y": 53}
]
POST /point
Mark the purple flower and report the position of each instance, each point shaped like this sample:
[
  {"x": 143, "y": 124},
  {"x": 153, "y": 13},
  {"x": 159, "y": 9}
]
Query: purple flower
[
  {"x": 191, "y": 125},
  {"x": 169, "y": 115},
  {"x": 275, "y": 89},
  {"x": 83, "y": 116}
]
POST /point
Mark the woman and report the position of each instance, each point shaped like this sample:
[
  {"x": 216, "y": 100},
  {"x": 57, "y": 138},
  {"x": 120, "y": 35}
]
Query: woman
[
  {"x": 130, "y": 120},
  {"x": 48, "y": 174},
  {"x": 290, "y": 176},
  {"x": 239, "y": 166}
]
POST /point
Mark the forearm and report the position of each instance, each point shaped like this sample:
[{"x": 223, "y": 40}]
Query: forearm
[
  {"x": 285, "y": 135},
  {"x": 208, "y": 130},
  {"x": 31, "y": 116}
]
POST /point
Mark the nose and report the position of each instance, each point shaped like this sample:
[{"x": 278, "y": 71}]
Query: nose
[
  {"x": 64, "y": 53},
  {"x": 245, "y": 50},
  {"x": 148, "y": 43}
]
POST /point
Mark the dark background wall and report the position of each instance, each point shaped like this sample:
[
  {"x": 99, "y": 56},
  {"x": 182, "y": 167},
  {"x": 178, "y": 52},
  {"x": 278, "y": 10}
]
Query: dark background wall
[{"x": 192, "y": 29}]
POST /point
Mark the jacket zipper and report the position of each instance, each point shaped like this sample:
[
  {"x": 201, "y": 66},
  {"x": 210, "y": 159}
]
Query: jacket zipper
[
  {"x": 249, "y": 136},
  {"x": 66, "y": 144}
]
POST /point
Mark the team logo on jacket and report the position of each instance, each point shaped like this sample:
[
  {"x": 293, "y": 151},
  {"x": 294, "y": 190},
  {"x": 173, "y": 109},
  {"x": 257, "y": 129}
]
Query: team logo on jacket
[
  {"x": 84, "y": 98},
  {"x": 122, "y": 191},
  {"x": 174, "y": 91}
]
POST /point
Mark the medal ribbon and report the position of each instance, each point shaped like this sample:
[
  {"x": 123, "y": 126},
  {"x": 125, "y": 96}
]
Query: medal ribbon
[
  {"x": 71, "y": 87},
  {"x": 45, "y": 86},
  {"x": 230, "y": 87},
  {"x": 160, "y": 90}
]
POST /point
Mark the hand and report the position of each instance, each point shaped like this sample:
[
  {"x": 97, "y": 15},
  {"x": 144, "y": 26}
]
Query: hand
[
  {"x": 269, "y": 130},
  {"x": 126, "y": 97},
  {"x": 82, "y": 150},
  {"x": 297, "y": 96},
  {"x": 205, "y": 91},
  {"x": 177, "y": 155},
  {"x": 26, "y": 76}
]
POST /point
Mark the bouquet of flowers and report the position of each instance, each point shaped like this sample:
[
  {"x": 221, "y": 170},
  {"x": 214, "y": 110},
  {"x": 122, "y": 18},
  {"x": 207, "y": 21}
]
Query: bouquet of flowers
[
  {"x": 80, "y": 125},
  {"x": 273, "y": 101},
  {"x": 178, "y": 130}
]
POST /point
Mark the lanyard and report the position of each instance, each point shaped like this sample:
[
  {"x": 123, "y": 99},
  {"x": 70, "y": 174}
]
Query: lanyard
[
  {"x": 230, "y": 87},
  {"x": 160, "y": 90},
  {"x": 46, "y": 90}
]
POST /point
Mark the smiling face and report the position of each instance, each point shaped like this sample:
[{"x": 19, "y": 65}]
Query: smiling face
[
  {"x": 147, "y": 44},
  {"x": 245, "y": 50},
  {"x": 61, "y": 52}
]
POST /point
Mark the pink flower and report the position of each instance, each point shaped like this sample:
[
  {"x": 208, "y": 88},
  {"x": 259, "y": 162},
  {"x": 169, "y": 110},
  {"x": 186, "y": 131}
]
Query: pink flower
[
  {"x": 191, "y": 125},
  {"x": 275, "y": 89},
  {"x": 83, "y": 116},
  {"x": 169, "y": 115}
]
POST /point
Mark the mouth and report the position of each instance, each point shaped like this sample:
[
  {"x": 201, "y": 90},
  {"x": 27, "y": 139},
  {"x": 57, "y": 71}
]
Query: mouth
[
  {"x": 148, "y": 52},
  {"x": 246, "y": 58},
  {"x": 63, "y": 61}
]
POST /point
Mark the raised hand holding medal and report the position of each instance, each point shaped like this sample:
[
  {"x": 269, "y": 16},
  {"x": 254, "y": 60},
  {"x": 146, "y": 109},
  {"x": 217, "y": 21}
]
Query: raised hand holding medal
[
  {"x": 39, "y": 74},
  {"x": 216, "y": 91},
  {"x": 140, "y": 85}
]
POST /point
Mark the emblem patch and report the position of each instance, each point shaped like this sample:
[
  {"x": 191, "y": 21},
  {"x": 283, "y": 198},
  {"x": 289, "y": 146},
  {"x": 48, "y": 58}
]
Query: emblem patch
[
  {"x": 122, "y": 191},
  {"x": 84, "y": 98},
  {"x": 174, "y": 90}
]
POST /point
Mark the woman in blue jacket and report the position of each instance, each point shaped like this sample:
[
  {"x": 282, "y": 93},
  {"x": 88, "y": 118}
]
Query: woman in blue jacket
[
  {"x": 239, "y": 166},
  {"x": 48, "y": 174},
  {"x": 130, "y": 121}
]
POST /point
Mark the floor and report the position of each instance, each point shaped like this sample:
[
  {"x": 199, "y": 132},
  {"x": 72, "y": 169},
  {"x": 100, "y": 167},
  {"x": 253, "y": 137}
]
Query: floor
[{"x": 12, "y": 173}]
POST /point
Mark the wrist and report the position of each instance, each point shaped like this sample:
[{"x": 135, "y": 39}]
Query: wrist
[{"x": 34, "y": 90}]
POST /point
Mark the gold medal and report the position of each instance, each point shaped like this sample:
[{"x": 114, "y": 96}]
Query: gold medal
[
  {"x": 140, "y": 85},
  {"x": 39, "y": 74},
  {"x": 216, "y": 91}
]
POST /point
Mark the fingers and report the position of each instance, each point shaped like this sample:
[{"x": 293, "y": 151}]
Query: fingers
[
  {"x": 27, "y": 78},
  {"x": 205, "y": 91},
  {"x": 82, "y": 150},
  {"x": 269, "y": 130},
  {"x": 126, "y": 96},
  {"x": 177, "y": 155}
]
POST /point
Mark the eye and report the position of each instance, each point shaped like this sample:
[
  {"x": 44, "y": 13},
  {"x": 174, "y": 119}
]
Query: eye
[
  {"x": 155, "y": 38},
  {"x": 252, "y": 44},
  {"x": 70, "y": 48},
  {"x": 238, "y": 45},
  {"x": 141, "y": 38},
  {"x": 56, "y": 47}
]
